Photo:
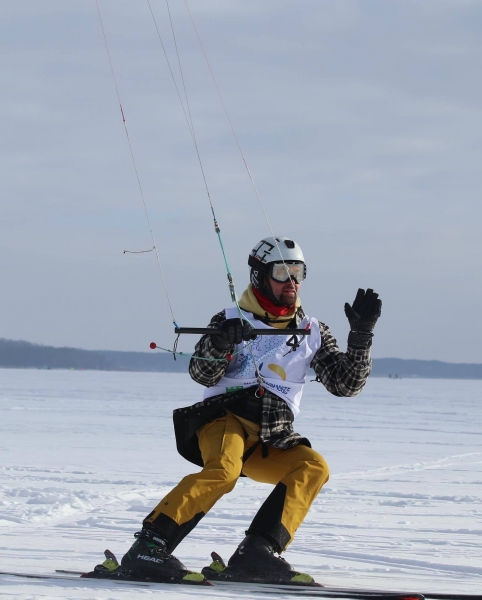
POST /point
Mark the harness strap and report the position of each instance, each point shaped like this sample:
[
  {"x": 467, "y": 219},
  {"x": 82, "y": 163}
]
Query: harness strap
[{"x": 250, "y": 451}]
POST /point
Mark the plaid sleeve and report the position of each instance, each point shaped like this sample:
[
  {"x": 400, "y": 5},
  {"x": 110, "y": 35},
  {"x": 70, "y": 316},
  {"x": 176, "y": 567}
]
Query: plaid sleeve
[
  {"x": 207, "y": 372},
  {"x": 343, "y": 374}
]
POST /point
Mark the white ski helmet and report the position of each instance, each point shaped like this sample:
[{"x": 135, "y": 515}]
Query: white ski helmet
[{"x": 279, "y": 258}]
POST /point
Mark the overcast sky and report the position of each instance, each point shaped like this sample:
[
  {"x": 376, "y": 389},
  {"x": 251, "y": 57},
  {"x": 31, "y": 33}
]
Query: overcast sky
[{"x": 361, "y": 121}]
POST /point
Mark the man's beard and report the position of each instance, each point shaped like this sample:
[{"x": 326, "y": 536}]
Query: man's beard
[{"x": 287, "y": 299}]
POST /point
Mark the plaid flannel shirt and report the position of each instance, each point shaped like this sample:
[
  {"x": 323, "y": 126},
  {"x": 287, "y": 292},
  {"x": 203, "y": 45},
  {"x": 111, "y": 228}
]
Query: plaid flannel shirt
[{"x": 342, "y": 374}]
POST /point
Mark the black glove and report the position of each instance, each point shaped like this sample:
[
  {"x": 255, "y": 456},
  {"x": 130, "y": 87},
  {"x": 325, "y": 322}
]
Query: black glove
[
  {"x": 363, "y": 315},
  {"x": 232, "y": 331}
]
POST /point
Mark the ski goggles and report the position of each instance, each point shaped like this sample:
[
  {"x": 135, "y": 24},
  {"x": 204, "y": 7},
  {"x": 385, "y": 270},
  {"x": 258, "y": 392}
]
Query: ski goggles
[{"x": 285, "y": 271}]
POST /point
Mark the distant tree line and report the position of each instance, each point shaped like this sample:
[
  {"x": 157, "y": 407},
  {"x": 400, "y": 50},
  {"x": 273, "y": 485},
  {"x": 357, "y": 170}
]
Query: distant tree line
[
  {"x": 399, "y": 368},
  {"x": 18, "y": 354}
]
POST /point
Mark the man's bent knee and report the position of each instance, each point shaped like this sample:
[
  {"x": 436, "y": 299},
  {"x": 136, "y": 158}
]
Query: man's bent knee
[
  {"x": 317, "y": 469},
  {"x": 222, "y": 475},
  {"x": 321, "y": 470}
]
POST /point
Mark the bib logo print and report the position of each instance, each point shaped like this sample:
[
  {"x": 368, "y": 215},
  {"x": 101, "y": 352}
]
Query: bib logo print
[{"x": 263, "y": 347}]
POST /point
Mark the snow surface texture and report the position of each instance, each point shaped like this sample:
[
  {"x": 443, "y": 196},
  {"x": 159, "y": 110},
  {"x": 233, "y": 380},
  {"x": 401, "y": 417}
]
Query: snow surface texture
[{"x": 86, "y": 455}]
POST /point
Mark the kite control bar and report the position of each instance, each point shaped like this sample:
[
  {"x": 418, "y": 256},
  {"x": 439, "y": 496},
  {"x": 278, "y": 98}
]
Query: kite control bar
[
  {"x": 293, "y": 341},
  {"x": 215, "y": 331}
]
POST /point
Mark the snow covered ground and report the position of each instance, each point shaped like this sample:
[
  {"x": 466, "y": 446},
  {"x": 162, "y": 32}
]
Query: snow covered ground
[{"x": 86, "y": 455}]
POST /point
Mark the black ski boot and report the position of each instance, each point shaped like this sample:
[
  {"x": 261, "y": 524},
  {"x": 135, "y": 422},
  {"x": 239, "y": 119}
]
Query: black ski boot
[
  {"x": 255, "y": 561},
  {"x": 147, "y": 560},
  {"x": 148, "y": 557}
]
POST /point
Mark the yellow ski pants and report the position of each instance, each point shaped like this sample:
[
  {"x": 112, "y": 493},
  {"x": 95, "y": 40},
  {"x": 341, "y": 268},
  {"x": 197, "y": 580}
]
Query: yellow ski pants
[{"x": 298, "y": 474}]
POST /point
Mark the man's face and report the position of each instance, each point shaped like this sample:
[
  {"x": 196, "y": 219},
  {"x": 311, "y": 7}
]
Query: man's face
[{"x": 286, "y": 293}]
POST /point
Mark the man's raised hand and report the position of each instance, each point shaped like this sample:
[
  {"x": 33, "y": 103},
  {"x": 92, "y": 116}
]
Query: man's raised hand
[{"x": 364, "y": 312}]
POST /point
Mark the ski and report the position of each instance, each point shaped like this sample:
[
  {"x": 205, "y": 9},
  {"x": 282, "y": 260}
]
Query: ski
[
  {"x": 69, "y": 572},
  {"x": 220, "y": 573},
  {"x": 65, "y": 577},
  {"x": 314, "y": 591},
  {"x": 86, "y": 579},
  {"x": 258, "y": 588},
  {"x": 427, "y": 595},
  {"x": 355, "y": 593}
]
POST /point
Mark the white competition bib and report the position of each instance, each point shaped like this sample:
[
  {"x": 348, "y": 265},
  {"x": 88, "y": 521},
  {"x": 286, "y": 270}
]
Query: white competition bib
[{"x": 283, "y": 372}]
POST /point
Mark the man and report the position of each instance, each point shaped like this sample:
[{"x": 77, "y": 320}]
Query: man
[{"x": 243, "y": 426}]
